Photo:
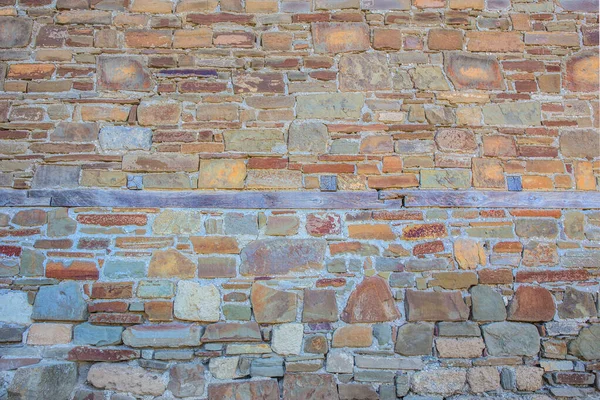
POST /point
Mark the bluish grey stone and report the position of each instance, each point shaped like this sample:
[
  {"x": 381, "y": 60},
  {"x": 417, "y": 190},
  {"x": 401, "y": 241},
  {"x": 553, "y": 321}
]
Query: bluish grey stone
[
  {"x": 415, "y": 339},
  {"x": 402, "y": 385},
  {"x": 124, "y": 269},
  {"x": 383, "y": 333},
  {"x": 373, "y": 375},
  {"x": 62, "y": 302},
  {"x": 54, "y": 381},
  {"x": 467, "y": 328},
  {"x": 56, "y": 176},
  {"x": 269, "y": 367},
  {"x": 514, "y": 183},
  {"x": 97, "y": 335},
  {"x": 328, "y": 183},
  {"x": 487, "y": 304},
  {"x": 15, "y": 307},
  {"x": 240, "y": 224},
  {"x": 387, "y": 392},
  {"x": 511, "y": 339},
  {"x": 135, "y": 182},
  {"x": 508, "y": 379},
  {"x": 11, "y": 333},
  {"x": 587, "y": 345},
  {"x": 402, "y": 279},
  {"x": 125, "y": 138},
  {"x": 32, "y": 262},
  {"x": 155, "y": 289},
  {"x": 174, "y": 354}
]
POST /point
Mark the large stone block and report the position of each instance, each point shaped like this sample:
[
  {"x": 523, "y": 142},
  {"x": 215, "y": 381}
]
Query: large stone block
[
  {"x": 436, "y": 306},
  {"x": 309, "y": 386},
  {"x": 125, "y": 378},
  {"x": 470, "y": 71},
  {"x": 56, "y": 177},
  {"x": 371, "y": 301},
  {"x": 125, "y": 138},
  {"x": 54, "y": 380},
  {"x": 272, "y": 305},
  {"x": 307, "y": 137},
  {"x": 62, "y": 302},
  {"x": 249, "y": 390},
  {"x": 222, "y": 174},
  {"x": 513, "y": 114},
  {"x": 511, "y": 339},
  {"x": 15, "y": 308},
  {"x": 164, "y": 335},
  {"x": 123, "y": 73},
  {"x": 254, "y": 141},
  {"x": 336, "y": 37},
  {"x": 532, "y": 304},
  {"x": 583, "y": 72},
  {"x": 197, "y": 303},
  {"x": 282, "y": 256},
  {"x": 15, "y": 32},
  {"x": 364, "y": 72},
  {"x": 330, "y": 106}
]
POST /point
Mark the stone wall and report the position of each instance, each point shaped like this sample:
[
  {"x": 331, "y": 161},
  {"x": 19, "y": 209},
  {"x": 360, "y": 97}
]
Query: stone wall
[{"x": 299, "y": 200}]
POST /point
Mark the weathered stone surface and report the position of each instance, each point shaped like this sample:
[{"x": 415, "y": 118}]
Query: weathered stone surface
[
  {"x": 194, "y": 302},
  {"x": 582, "y": 72},
  {"x": 436, "y": 306},
  {"x": 171, "y": 264},
  {"x": 309, "y": 386},
  {"x": 232, "y": 332},
  {"x": 529, "y": 379},
  {"x": 287, "y": 339},
  {"x": 123, "y": 73},
  {"x": 47, "y": 334},
  {"x": 282, "y": 256},
  {"x": 445, "y": 382},
  {"x": 125, "y": 138},
  {"x": 414, "y": 339},
  {"x": 307, "y": 137},
  {"x": 272, "y": 305},
  {"x": 580, "y": 143},
  {"x": 254, "y": 141},
  {"x": 172, "y": 222},
  {"x": 371, "y": 301},
  {"x": 32, "y": 262},
  {"x": 513, "y": 114},
  {"x": 330, "y": 105},
  {"x": 251, "y": 390},
  {"x": 340, "y": 362},
  {"x": 483, "y": 379},
  {"x": 164, "y": 335},
  {"x": 224, "y": 367},
  {"x": 97, "y": 335},
  {"x": 586, "y": 345},
  {"x": 577, "y": 304},
  {"x": 357, "y": 391},
  {"x": 15, "y": 32},
  {"x": 269, "y": 367},
  {"x": 487, "y": 304},
  {"x": 10, "y": 333},
  {"x": 62, "y": 302},
  {"x": 353, "y": 336},
  {"x": 531, "y": 304},
  {"x": 56, "y": 176},
  {"x": 125, "y": 378},
  {"x": 511, "y": 339},
  {"x": 335, "y": 37},
  {"x": 117, "y": 269},
  {"x": 222, "y": 174},
  {"x": 167, "y": 162},
  {"x": 319, "y": 306},
  {"x": 579, "y": 5},
  {"x": 470, "y": 71},
  {"x": 186, "y": 380},
  {"x": 14, "y": 307},
  {"x": 364, "y": 72},
  {"x": 459, "y": 347},
  {"x": 54, "y": 380},
  {"x": 429, "y": 78},
  {"x": 469, "y": 253},
  {"x": 454, "y": 140}
]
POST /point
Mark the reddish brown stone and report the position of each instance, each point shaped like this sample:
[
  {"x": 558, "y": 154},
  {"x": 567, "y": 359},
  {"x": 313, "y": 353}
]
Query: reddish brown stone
[
  {"x": 319, "y": 306},
  {"x": 436, "y": 306},
  {"x": 78, "y": 270},
  {"x": 258, "y": 82},
  {"x": 113, "y": 219},
  {"x": 353, "y": 336},
  {"x": 83, "y": 353},
  {"x": 281, "y": 256},
  {"x": 123, "y": 73},
  {"x": 115, "y": 318},
  {"x": 30, "y": 218},
  {"x": 531, "y": 304},
  {"x": 582, "y": 72},
  {"x": 8, "y": 364},
  {"x": 424, "y": 231},
  {"x": 323, "y": 224},
  {"x": 108, "y": 306},
  {"x": 470, "y": 71},
  {"x": 488, "y": 276},
  {"x": 112, "y": 290},
  {"x": 215, "y": 244},
  {"x": 309, "y": 386},
  {"x": 552, "y": 276},
  {"x": 371, "y": 301},
  {"x": 170, "y": 264},
  {"x": 232, "y": 332},
  {"x": 10, "y": 251},
  {"x": 53, "y": 244},
  {"x": 335, "y": 37},
  {"x": 428, "y": 248},
  {"x": 271, "y": 306},
  {"x": 252, "y": 390}
]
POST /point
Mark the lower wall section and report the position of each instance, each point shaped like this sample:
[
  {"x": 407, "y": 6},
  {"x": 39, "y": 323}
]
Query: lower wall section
[{"x": 100, "y": 303}]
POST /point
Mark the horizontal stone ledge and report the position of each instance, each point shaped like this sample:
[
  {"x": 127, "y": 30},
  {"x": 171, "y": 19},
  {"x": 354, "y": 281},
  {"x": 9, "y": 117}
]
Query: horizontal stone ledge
[
  {"x": 500, "y": 199},
  {"x": 392, "y": 199}
]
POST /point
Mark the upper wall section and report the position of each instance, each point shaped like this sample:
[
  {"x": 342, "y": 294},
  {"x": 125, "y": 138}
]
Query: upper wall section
[{"x": 329, "y": 94}]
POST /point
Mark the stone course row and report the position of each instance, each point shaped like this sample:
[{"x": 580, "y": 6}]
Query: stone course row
[{"x": 99, "y": 303}]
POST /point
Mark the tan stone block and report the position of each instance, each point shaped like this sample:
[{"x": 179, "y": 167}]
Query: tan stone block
[
  {"x": 222, "y": 174},
  {"x": 46, "y": 334}
]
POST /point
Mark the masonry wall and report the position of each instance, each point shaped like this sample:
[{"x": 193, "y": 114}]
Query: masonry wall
[{"x": 312, "y": 200}]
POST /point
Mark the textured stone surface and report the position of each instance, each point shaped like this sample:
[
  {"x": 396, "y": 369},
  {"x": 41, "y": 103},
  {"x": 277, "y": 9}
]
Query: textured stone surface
[
  {"x": 252, "y": 390},
  {"x": 281, "y": 256},
  {"x": 364, "y": 72},
  {"x": 371, "y": 301},
  {"x": 287, "y": 339},
  {"x": 511, "y": 339},
  {"x": 444, "y": 382},
  {"x": 307, "y": 137},
  {"x": 414, "y": 339},
  {"x": 272, "y": 305},
  {"x": 306, "y": 386},
  {"x": 171, "y": 263},
  {"x": 586, "y": 344},
  {"x": 14, "y": 308},
  {"x": 436, "y": 306},
  {"x": 531, "y": 304},
  {"x": 186, "y": 380},
  {"x": 194, "y": 302},
  {"x": 470, "y": 71},
  {"x": 125, "y": 378},
  {"x": 125, "y": 138},
  {"x": 487, "y": 304},
  {"x": 54, "y": 380},
  {"x": 62, "y": 302}
]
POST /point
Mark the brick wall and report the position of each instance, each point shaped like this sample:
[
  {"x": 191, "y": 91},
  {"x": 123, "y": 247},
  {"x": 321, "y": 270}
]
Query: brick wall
[{"x": 299, "y": 200}]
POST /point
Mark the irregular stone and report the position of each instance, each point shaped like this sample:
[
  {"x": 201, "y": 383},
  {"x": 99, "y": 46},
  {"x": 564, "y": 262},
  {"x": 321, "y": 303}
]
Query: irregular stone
[
  {"x": 171, "y": 264},
  {"x": 469, "y": 253},
  {"x": 513, "y": 114},
  {"x": 353, "y": 336},
  {"x": 124, "y": 269},
  {"x": 222, "y": 174},
  {"x": 511, "y": 339},
  {"x": 319, "y": 306},
  {"x": 223, "y": 367},
  {"x": 32, "y": 263},
  {"x": 125, "y": 138},
  {"x": 282, "y": 256},
  {"x": 15, "y": 32},
  {"x": 577, "y": 304},
  {"x": 11, "y": 333},
  {"x": 586, "y": 345},
  {"x": 254, "y": 141},
  {"x": 309, "y": 386},
  {"x": 471, "y": 71},
  {"x": 487, "y": 304},
  {"x": 269, "y": 367},
  {"x": 371, "y": 301},
  {"x": 52, "y": 380},
  {"x": 316, "y": 344},
  {"x": 538, "y": 254},
  {"x": 15, "y": 308},
  {"x": 459, "y": 347},
  {"x": 582, "y": 71},
  {"x": 97, "y": 335},
  {"x": 123, "y": 377},
  {"x": 453, "y": 280},
  {"x": 580, "y": 143},
  {"x": 436, "y": 306},
  {"x": 62, "y": 302},
  {"x": 164, "y": 335},
  {"x": 123, "y": 73},
  {"x": 194, "y": 302},
  {"x": 330, "y": 106},
  {"x": 272, "y": 305},
  {"x": 340, "y": 362},
  {"x": 429, "y": 78},
  {"x": 30, "y": 218},
  {"x": 186, "y": 380},
  {"x": 529, "y": 379},
  {"x": 282, "y": 225},
  {"x": 49, "y": 334},
  {"x": 250, "y": 390},
  {"x": 287, "y": 339},
  {"x": 531, "y": 304},
  {"x": 483, "y": 379},
  {"x": 349, "y": 391},
  {"x": 337, "y": 37},
  {"x": 307, "y": 137},
  {"x": 240, "y": 224},
  {"x": 489, "y": 173},
  {"x": 60, "y": 224},
  {"x": 56, "y": 177},
  {"x": 364, "y": 72},
  {"x": 414, "y": 339},
  {"x": 171, "y": 222},
  {"x": 445, "y": 382}
]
